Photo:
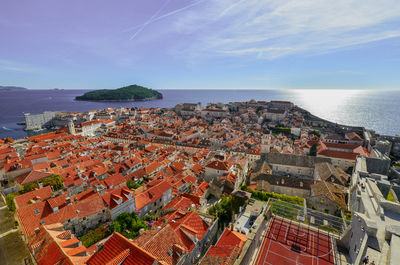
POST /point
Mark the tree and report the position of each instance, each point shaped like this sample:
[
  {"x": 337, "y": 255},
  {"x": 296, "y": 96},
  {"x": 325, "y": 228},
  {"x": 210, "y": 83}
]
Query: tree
[
  {"x": 132, "y": 184},
  {"x": 94, "y": 236},
  {"x": 313, "y": 150},
  {"x": 226, "y": 208},
  {"x": 10, "y": 201},
  {"x": 56, "y": 182},
  {"x": 129, "y": 225},
  {"x": 316, "y": 133}
]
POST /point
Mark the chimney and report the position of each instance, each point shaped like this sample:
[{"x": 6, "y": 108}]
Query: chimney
[{"x": 40, "y": 185}]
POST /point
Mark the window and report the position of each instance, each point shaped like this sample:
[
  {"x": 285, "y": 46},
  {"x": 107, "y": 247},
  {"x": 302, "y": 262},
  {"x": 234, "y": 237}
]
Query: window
[{"x": 37, "y": 211}]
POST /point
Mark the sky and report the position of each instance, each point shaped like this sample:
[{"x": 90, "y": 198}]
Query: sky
[{"x": 187, "y": 44}]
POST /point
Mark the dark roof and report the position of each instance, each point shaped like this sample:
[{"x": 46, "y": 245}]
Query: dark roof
[
  {"x": 293, "y": 160},
  {"x": 286, "y": 181}
]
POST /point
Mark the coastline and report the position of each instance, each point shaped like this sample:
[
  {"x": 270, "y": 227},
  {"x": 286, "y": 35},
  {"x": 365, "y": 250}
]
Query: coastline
[{"x": 379, "y": 106}]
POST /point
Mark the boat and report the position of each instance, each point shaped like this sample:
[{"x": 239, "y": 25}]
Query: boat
[{"x": 21, "y": 123}]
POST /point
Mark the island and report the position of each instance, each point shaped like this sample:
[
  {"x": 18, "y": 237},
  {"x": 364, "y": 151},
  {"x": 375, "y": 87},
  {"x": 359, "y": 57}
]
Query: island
[
  {"x": 128, "y": 93},
  {"x": 12, "y": 88}
]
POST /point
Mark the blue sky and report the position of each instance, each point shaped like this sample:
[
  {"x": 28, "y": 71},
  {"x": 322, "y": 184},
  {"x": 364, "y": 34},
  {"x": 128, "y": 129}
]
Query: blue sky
[{"x": 344, "y": 44}]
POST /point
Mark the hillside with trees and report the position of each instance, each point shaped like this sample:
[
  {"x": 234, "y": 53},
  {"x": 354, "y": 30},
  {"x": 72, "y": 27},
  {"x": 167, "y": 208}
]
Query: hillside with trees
[{"x": 128, "y": 93}]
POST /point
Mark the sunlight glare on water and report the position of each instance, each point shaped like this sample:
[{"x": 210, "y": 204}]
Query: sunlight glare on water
[{"x": 327, "y": 103}]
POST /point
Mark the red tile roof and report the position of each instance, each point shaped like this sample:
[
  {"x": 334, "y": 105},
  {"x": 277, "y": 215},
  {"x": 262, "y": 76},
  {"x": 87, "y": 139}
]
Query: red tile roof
[
  {"x": 115, "y": 180},
  {"x": 226, "y": 250},
  {"x": 118, "y": 244},
  {"x": 164, "y": 244},
  {"x": 219, "y": 165},
  {"x": 33, "y": 215},
  {"x": 123, "y": 192},
  {"x": 152, "y": 194},
  {"x": 31, "y": 176},
  {"x": 38, "y": 194}
]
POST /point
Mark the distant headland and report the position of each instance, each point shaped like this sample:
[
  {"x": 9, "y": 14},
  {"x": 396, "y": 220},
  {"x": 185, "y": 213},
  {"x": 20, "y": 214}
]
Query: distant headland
[
  {"x": 12, "y": 88},
  {"x": 128, "y": 93}
]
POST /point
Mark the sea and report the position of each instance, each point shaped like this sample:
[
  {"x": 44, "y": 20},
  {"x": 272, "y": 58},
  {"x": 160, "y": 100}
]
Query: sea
[{"x": 378, "y": 110}]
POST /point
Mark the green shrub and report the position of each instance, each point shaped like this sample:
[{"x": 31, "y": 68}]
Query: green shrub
[
  {"x": 129, "y": 224},
  {"x": 283, "y": 130},
  {"x": 390, "y": 196},
  {"x": 10, "y": 201},
  {"x": 56, "y": 182},
  {"x": 226, "y": 208},
  {"x": 94, "y": 236},
  {"x": 313, "y": 150},
  {"x": 328, "y": 228},
  {"x": 264, "y": 196},
  {"x": 348, "y": 215},
  {"x": 132, "y": 184},
  {"x": 315, "y": 132}
]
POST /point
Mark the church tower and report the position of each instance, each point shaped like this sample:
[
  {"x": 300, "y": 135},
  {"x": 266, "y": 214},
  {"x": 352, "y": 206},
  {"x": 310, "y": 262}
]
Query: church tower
[
  {"x": 71, "y": 127},
  {"x": 265, "y": 143}
]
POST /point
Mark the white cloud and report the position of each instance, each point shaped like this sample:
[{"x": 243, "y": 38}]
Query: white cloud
[{"x": 269, "y": 29}]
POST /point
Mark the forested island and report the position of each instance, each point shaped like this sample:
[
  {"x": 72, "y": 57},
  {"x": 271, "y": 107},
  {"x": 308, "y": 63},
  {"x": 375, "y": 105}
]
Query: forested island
[{"x": 128, "y": 93}]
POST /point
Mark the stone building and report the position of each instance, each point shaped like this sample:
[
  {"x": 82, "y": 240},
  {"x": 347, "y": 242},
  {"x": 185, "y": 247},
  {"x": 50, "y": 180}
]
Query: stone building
[
  {"x": 295, "y": 165},
  {"x": 120, "y": 200},
  {"x": 375, "y": 226},
  {"x": 216, "y": 168},
  {"x": 37, "y": 121},
  {"x": 152, "y": 200}
]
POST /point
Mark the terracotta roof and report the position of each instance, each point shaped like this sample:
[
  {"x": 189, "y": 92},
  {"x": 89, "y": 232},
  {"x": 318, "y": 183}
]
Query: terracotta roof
[
  {"x": 118, "y": 244},
  {"x": 31, "y": 176},
  {"x": 123, "y": 192},
  {"x": 328, "y": 172},
  {"x": 32, "y": 216},
  {"x": 219, "y": 165},
  {"x": 353, "y": 136},
  {"x": 114, "y": 180},
  {"x": 338, "y": 154},
  {"x": 164, "y": 244},
  {"x": 152, "y": 194},
  {"x": 38, "y": 194},
  {"x": 182, "y": 203},
  {"x": 226, "y": 250},
  {"x": 50, "y": 248},
  {"x": 333, "y": 192}
]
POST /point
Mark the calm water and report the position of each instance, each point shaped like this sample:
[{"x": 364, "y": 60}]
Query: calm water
[{"x": 377, "y": 110}]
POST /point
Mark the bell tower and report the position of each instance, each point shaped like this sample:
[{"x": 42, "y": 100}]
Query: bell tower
[
  {"x": 265, "y": 143},
  {"x": 71, "y": 127}
]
